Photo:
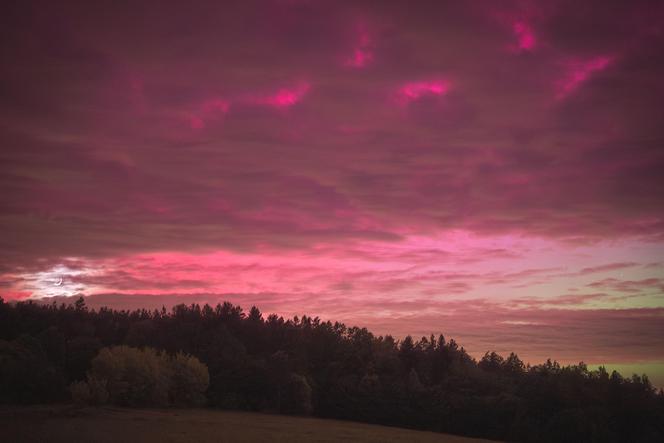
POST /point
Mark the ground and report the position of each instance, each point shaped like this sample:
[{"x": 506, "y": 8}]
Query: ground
[{"x": 65, "y": 424}]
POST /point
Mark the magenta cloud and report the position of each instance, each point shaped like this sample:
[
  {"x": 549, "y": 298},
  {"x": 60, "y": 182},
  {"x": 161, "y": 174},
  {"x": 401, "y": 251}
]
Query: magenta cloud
[
  {"x": 525, "y": 36},
  {"x": 418, "y": 89},
  {"x": 579, "y": 71},
  {"x": 362, "y": 53}
]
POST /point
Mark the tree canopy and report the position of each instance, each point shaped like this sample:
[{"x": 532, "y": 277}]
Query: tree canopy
[{"x": 226, "y": 359}]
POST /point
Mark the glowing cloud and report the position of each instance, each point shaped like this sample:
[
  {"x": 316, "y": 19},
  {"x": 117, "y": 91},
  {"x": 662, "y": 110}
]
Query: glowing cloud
[
  {"x": 525, "y": 36},
  {"x": 416, "y": 90},
  {"x": 362, "y": 53},
  {"x": 286, "y": 97},
  {"x": 578, "y": 72},
  {"x": 361, "y": 58},
  {"x": 209, "y": 109}
]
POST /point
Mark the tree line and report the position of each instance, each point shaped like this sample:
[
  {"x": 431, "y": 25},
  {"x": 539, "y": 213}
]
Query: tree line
[{"x": 225, "y": 358}]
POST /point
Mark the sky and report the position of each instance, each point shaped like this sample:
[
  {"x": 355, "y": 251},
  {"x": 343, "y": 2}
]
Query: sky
[{"x": 492, "y": 171}]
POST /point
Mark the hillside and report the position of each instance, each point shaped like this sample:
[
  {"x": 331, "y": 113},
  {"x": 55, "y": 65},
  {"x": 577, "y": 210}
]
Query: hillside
[
  {"x": 224, "y": 358},
  {"x": 58, "y": 424}
]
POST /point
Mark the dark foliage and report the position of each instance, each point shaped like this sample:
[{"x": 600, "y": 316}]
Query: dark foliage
[{"x": 306, "y": 366}]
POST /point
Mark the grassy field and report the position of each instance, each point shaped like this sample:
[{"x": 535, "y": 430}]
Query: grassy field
[{"x": 49, "y": 424}]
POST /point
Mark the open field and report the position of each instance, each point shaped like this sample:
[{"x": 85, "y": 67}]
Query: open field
[{"x": 52, "y": 424}]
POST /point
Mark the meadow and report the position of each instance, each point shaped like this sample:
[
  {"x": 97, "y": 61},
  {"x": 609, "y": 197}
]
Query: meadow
[{"x": 100, "y": 425}]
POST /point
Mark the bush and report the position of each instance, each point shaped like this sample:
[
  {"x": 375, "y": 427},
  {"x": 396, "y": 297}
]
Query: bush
[
  {"x": 98, "y": 392},
  {"x": 80, "y": 393},
  {"x": 134, "y": 377},
  {"x": 190, "y": 380},
  {"x": 127, "y": 376}
]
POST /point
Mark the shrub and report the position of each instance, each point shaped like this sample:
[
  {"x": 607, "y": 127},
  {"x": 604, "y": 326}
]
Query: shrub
[
  {"x": 98, "y": 392},
  {"x": 128, "y": 376},
  {"x": 80, "y": 393},
  {"x": 134, "y": 377},
  {"x": 190, "y": 379},
  {"x": 91, "y": 392}
]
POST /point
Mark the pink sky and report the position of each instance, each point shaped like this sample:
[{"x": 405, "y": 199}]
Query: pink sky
[{"x": 490, "y": 171}]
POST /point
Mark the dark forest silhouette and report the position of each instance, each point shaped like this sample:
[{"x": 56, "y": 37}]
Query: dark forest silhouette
[{"x": 307, "y": 366}]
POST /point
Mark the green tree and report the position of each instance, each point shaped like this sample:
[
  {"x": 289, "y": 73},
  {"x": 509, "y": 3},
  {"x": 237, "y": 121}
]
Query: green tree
[
  {"x": 190, "y": 380},
  {"x": 134, "y": 377}
]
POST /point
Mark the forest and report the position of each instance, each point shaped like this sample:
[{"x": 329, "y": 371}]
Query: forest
[{"x": 223, "y": 357}]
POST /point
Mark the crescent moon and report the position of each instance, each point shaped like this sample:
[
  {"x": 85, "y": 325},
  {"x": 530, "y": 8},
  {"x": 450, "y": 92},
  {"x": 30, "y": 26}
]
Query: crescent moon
[{"x": 59, "y": 283}]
